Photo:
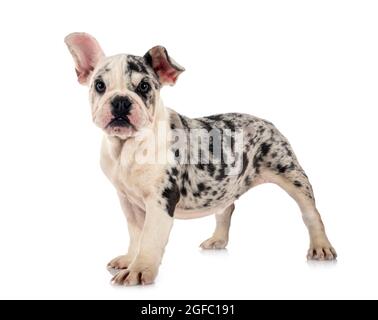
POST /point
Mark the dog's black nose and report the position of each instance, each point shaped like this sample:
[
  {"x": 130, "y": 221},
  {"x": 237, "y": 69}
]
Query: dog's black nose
[{"x": 120, "y": 106}]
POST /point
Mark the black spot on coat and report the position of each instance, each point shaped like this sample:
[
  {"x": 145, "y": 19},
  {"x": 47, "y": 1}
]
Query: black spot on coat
[
  {"x": 201, "y": 187},
  {"x": 265, "y": 148},
  {"x": 200, "y": 166},
  {"x": 245, "y": 164},
  {"x": 211, "y": 169},
  {"x": 229, "y": 125},
  {"x": 174, "y": 171},
  {"x": 216, "y": 117},
  {"x": 205, "y": 125},
  {"x": 183, "y": 191},
  {"x": 133, "y": 66},
  {"x": 281, "y": 168},
  {"x": 258, "y": 158},
  {"x": 297, "y": 184},
  {"x": 172, "y": 196},
  {"x": 222, "y": 172}
]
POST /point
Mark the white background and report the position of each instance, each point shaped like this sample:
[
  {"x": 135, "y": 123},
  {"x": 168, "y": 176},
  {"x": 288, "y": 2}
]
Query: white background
[{"x": 310, "y": 67}]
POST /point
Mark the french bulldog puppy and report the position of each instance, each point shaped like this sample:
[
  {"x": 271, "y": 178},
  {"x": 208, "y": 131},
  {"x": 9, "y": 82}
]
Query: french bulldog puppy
[{"x": 164, "y": 165}]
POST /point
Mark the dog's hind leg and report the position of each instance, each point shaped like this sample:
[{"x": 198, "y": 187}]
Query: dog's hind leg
[
  {"x": 295, "y": 182},
  {"x": 219, "y": 239}
]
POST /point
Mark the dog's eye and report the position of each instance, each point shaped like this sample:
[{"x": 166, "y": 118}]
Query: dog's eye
[
  {"x": 144, "y": 87},
  {"x": 100, "y": 86}
]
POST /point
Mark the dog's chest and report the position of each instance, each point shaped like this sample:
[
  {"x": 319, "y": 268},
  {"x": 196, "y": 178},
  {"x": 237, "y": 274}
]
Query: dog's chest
[{"x": 127, "y": 176}]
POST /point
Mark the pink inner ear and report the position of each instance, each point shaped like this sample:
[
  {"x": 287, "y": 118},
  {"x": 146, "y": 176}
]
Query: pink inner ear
[
  {"x": 166, "y": 72},
  {"x": 86, "y": 52},
  {"x": 82, "y": 74}
]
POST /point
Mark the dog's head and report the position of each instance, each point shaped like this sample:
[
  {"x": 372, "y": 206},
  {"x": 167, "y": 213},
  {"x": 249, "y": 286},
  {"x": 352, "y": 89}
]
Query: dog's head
[{"x": 123, "y": 89}]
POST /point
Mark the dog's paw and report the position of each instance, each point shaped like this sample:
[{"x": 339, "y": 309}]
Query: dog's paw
[
  {"x": 321, "y": 252},
  {"x": 136, "y": 274},
  {"x": 120, "y": 262},
  {"x": 214, "y": 243}
]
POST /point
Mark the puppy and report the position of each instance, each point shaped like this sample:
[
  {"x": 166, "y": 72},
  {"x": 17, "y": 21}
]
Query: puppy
[{"x": 165, "y": 165}]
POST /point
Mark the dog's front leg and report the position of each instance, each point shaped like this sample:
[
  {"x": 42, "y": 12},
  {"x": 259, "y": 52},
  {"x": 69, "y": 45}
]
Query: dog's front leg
[
  {"x": 154, "y": 237},
  {"x": 135, "y": 220}
]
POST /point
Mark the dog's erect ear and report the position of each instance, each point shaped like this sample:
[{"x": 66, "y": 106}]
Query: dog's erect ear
[
  {"x": 86, "y": 53},
  {"x": 164, "y": 66}
]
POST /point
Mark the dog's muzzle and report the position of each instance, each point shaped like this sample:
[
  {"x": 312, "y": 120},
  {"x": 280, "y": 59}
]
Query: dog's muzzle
[{"x": 120, "y": 109}]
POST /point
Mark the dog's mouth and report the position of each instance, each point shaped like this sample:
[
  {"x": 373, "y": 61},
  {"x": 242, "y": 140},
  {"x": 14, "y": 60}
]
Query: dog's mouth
[{"x": 119, "y": 122}]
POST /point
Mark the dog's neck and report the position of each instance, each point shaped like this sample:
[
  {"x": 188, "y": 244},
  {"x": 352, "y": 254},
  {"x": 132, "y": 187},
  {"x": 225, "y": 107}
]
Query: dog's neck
[{"x": 118, "y": 147}]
